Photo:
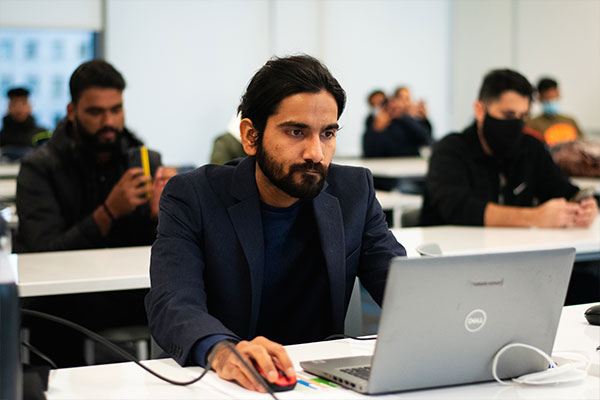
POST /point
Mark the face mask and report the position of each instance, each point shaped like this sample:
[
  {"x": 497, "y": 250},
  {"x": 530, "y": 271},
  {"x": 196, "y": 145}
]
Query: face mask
[
  {"x": 502, "y": 135},
  {"x": 550, "y": 107}
]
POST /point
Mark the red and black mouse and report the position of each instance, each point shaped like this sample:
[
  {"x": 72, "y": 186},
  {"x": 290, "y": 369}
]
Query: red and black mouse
[{"x": 283, "y": 382}]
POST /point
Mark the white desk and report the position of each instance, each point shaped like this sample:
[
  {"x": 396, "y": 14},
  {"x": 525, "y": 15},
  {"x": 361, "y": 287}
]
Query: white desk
[
  {"x": 397, "y": 202},
  {"x": 479, "y": 240},
  {"x": 9, "y": 170},
  {"x": 584, "y": 182},
  {"x": 8, "y": 189},
  {"x": 393, "y": 167},
  {"x": 128, "y": 381},
  {"x": 81, "y": 271}
]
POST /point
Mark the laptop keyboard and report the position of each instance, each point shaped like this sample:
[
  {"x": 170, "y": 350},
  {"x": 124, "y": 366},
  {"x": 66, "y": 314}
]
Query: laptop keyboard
[{"x": 360, "y": 372}]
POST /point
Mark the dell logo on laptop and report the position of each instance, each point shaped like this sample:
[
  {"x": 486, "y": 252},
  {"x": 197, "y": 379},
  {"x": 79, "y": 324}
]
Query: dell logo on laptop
[{"x": 475, "y": 320}]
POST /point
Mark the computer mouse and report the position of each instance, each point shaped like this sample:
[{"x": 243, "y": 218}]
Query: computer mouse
[
  {"x": 592, "y": 315},
  {"x": 283, "y": 382}
]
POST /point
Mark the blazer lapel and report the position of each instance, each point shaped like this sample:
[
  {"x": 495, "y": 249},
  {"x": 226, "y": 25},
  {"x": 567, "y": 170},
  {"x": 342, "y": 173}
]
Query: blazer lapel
[
  {"x": 329, "y": 221},
  {"x": 247, "y": 222}
]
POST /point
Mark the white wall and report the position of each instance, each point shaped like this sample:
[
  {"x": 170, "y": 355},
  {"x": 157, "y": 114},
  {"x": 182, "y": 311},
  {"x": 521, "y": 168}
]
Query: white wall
[
  {"x": 370, "y": 44},
  {"x": 194, "y": 59},
  {"x": 560, "y": 38},
  {"x": 72, "y": 14},
  {"x": 187, "y": 62},
  {"x": 482, "y": 37}
]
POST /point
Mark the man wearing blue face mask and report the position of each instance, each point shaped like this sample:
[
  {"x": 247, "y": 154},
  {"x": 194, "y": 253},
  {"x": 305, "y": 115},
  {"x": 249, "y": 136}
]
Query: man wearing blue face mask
[
  {"x": 492, "y": 174},
  {"x": 554, "y": 127}
]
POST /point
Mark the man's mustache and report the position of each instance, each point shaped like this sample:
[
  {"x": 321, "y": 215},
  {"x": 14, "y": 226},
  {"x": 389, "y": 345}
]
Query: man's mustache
[
  {"x": 309, "y": 166},
  {"x": 108, "y": 129}
]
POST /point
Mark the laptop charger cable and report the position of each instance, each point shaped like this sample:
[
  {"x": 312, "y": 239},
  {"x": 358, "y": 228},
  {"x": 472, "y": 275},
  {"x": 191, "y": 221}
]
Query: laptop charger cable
[{"x": 570, "y": 372}]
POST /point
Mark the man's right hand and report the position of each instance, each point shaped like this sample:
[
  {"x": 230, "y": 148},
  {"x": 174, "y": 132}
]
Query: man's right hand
[
  {"x": 128, "y": 193},
  {"x": 268, "y": 355}
]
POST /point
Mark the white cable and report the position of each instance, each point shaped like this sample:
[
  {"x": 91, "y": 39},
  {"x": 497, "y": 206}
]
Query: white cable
[
  {"x": 571, "y": 372},
  {"x": 510, "y": 346}
]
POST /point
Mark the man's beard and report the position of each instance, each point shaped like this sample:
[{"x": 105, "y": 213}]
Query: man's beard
[
  {"x": 310, "y": 185},
  {"x": 92, "y": 142}
]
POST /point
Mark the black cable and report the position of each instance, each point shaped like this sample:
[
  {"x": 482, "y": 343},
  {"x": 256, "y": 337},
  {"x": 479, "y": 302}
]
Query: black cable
[
  {"x": 100, "y": 339},
  {"x": 336, "y": 336},
  {"x": 38, "y": 353},
  {"x": 112, "y": 346}
]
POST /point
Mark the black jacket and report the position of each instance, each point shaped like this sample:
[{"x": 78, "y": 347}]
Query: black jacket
[
  {"x": 207, "y": 268},
  {"x": 462, "y": 179},
  {"x": 59, "y": 186},
  {"x": 403, "y": 137},
  {"x": 18, "y": 133}
]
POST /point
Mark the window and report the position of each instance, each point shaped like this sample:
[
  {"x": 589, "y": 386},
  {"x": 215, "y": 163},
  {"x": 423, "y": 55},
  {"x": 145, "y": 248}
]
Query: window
[
  {"x": 6, "y": 49},
  {"x": 42, "y": 60},
  {"x": 31, "y": 50}
]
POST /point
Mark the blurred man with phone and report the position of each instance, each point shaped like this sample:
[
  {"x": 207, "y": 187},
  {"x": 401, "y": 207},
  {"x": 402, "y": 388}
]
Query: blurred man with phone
[
  {"x": 87, "y": 188},
  {"x": 492, "y": 174},
  {"x": 84, "y": 189}
]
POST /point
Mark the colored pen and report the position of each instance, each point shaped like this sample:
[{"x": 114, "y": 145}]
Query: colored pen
[{"x": 307, "y": 384}]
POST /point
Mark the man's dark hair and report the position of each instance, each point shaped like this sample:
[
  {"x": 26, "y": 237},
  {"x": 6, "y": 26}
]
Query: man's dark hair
[
  {"x": 283, "y": 77},
  {"x": 545, "y": 84},
  {"x": 95, "y": 73},
  {"x": 375, "y": 93},
  {"x": 499, "y": 81},
  {"x": 17, "y": 92}
]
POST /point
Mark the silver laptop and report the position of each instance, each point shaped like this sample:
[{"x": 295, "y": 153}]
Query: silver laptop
[{"x": 444, "y": 318}]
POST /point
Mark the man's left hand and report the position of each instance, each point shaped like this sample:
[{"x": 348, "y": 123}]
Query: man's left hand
[
  {"x": 587, "y": 213},
  {"x": 161, "y": 177}
]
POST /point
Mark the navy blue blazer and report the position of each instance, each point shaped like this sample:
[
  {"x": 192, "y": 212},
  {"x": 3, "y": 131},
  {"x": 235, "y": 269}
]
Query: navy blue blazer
[{"x": 207, "y": 261}]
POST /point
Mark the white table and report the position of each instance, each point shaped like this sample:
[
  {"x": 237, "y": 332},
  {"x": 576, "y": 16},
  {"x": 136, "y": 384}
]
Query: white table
[
  {"x": 392, "y": 167},
  {"x": 454, "y": 240},
  {"x": 584, "y": 182},
  {"x": 81, "y": 271},
  {"x": 8, "y": 189},
  {"x": 128, "y": 381},
  {"x": 9, "y": 170},
  {"x": 397, "y": 202}
]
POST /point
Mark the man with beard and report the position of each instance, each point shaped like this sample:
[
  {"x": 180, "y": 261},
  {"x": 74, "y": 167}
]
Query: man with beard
[
  {"x": 492, "y": 174},
  {"x": 19, "y": 128},
  {"x": 79, "y": 191},
  {"x": 265, "y": 252}
]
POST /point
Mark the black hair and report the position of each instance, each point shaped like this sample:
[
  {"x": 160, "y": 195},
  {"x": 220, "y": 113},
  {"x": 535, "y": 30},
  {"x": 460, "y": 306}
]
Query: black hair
[
  {"x": 375, "y": 93},
  {"x": 283, "y": 77},
  {"x": 545, "y": 84},
  {"x": 498, "y": 81},
  {"x": 95, "y": 73},
  {"x": 17, "y": 92}
]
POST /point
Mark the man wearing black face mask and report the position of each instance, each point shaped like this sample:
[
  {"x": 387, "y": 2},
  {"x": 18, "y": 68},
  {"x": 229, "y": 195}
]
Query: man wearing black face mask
[{"x": 492, "y": 174}]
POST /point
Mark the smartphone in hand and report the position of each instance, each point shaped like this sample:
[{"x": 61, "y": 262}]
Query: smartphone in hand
[
  {"x": 138, "y": 157},
  {"x": 582, "y": 194}
]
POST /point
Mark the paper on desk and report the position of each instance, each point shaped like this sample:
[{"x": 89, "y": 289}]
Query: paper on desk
[{"x": 316, "y": 391}]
